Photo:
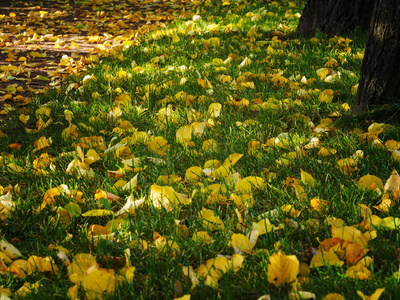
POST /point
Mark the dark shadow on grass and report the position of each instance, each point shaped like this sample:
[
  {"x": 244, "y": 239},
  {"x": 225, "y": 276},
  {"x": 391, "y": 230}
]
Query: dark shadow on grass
[{"x": 388, "y": 113}]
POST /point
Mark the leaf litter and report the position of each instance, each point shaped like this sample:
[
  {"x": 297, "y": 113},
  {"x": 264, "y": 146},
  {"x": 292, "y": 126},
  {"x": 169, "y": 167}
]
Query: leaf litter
[{"x": 189, "y": 164}]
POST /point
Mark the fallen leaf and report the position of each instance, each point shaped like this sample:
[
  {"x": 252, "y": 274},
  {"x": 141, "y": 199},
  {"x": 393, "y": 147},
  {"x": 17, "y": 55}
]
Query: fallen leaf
[{"x": 282, "y": 268}]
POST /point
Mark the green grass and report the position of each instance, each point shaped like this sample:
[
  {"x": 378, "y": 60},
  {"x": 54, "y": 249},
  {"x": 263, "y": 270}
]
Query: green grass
[{"x": 265, "y": 36}]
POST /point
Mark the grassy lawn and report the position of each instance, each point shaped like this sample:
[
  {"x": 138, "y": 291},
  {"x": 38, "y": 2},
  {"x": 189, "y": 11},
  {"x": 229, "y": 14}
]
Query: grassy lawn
[{"x": 216, "y": 157}]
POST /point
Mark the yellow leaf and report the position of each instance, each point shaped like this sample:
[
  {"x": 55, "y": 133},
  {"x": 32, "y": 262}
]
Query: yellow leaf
[
  {"x": 374, "y": 296},
  {"x": 395, "y": 155},
  {"x": 209, "y": 145},
  {"x": 351, "y": 234},
  {"x": 299, "y": 295},
  {"x": 392, "y": 145},
  {"x": 97, "y": 282},
  {"x": 130, "y": 205},
  {"x": 166, "y": 197},
  {"x": 282, "y": 268},
  {"x": 245, "y": 62},
  {"x": 249, "y": 85},
  {"x": 210, "y": 220},
  {"x": 139, "y": 69},
  {"x": 49, "y": 196},
  {"x": 202, "y": 82},
  {"x": 325, "y": 258},
  {"x": 377, "y": 128},
  {"x": 184, "y": 297},
  {"x": 307, "y": 178},
  {"x": 95, "y": 142},
  {"x": 175, "y": 38},
  {"x": 184, "y": 134},
  {"x": 6, "y": 292},
  {"x": 299, "y": 191},
  {"x": 159, "y": 145},
  {"x": 202, "y": 237},
  {"x": 217, "y": 62},
  {"x": 80, "y": 265},
  {"x": 223, "y": 264},
  {"x": 214, "y": 109},
  {"x": 365, "y": 211},
  {"x": 214, "y": 41},
  {"x": 193, "y": 174},
  {"x": 359, "y": 272},
  {"x": 131, "y": 184},
  {"x": 333, "y": 296},
  {"x": 291, "y": 210},
  {"x": 211, "y": 282},
  {"x": 326, "y": 96},
  {"x": 265, "y": 297},
  {"x": 354, "y": 89},
  {"x": 322, "y": 73},
  {"x": 347, "y": 165},
  {"x": 70, "y": 132},
  {"x": 15, "y": 168},
  {"x": 44, "y": 78},
  {"x": 393, "y": 183},
  {"x": 221, "y": 172},
  {"x": 326, "y": 151},
  {"x": 208, "y": 269},
  {"x": 123, "y": 99},
  {"x": 237, "y": 261},
  {"x": 28, "y": 289},
  {"x": 242, "y": 243},
  {"x": 390, "y": 223},
  {"x": 198, "y": 127},
  {"x": 42, "y": 264},
  {"x": 20, "y": 267},
  {"x": 264, "y": 226},
  {"x": 119, "y": 184},
  {"x": 37, "y": 54},
  {"x": 121, "y": 74},
  {"x": 283, "y": 140},
  {"x": 318, "y": 204},
  {"x": 247, "y": 184},
  {"x": 91, "y": 157},
  {"x": 24, "y": 118},
  {"x": 243, "y": 201},
  {"x": 130, "y": 273},
  {"x": 370, "y": 182},
  {"x": 189, "y": 27},
  {"x": 42, "y": 143},
  {"x": 384, "y": 205},
  {"x": 162, "y": 244},
  {"x": 98, "y": 213},
  {"x": 168, "y": 179},
  {"x": 240, "y": 102},
  {"x": 9, "y": 250},
  {"x": 15, "y": 146}
]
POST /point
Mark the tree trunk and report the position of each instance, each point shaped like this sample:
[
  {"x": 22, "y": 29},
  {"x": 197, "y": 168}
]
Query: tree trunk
[
  {"x": 380, "y": 75},
  {"x": 334, "y": 17}
]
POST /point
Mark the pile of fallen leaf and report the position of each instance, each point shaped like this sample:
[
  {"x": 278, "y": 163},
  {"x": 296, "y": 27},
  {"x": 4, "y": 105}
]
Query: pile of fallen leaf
[{"x": 42, "y": 45}]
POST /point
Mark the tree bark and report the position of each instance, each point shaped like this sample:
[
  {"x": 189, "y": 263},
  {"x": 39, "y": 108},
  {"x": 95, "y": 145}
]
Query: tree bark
[
  {"x": 334, "y": 17},
  {"x": 380, "y": 74}
]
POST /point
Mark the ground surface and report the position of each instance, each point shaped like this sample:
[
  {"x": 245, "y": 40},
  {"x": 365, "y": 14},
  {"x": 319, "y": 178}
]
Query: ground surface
[
  {"x": 210, "y": 160},
  {"x": 36, "y": 35}
]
